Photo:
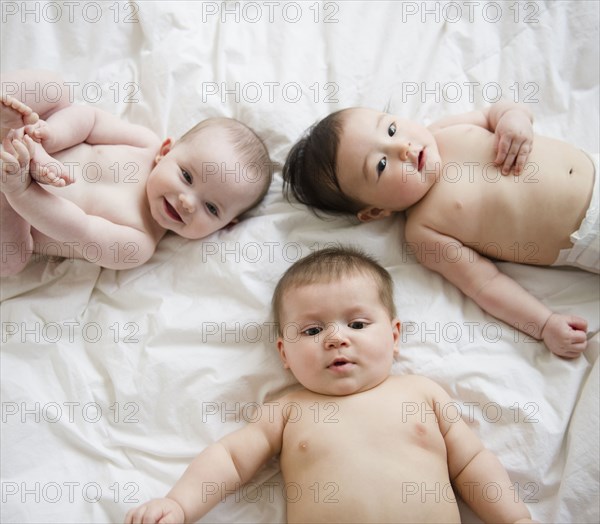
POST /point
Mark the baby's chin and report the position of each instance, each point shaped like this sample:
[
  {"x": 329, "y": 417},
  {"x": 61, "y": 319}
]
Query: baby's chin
[
  {"x": 192, "y": 236},
  {"x": 343, "y": 389}
]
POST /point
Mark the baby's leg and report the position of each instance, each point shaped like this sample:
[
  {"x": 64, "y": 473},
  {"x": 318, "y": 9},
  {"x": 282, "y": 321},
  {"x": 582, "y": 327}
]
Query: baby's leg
[
  {"x": 16, "y": 242},
  {"x": 14, "y": 114},
  {"x": 63, "y": 129},
  {"x": 43, "y": 91}
]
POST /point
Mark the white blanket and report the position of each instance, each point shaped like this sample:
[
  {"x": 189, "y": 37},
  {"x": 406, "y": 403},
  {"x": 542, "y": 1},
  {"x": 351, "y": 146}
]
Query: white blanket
[{"x": 112, "y": 381}]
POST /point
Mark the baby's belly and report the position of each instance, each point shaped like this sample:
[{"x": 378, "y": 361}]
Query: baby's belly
[
  {"x": 527, "y": 218},
  {"x": 365, "y": 488}
]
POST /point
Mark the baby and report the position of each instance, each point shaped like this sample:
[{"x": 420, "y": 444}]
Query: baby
[
  {"x": 339, "y": 336},
  {"x": 130, "y": 188},
  {"x": 453, "y": 180}
]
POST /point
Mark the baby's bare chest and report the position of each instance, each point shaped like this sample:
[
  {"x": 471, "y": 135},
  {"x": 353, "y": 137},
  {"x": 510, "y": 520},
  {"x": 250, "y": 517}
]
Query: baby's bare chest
[
  {"x": 110, "y": 181},
  {"x": 475, "y": 203},
  {"x": 329, "y": 432}
]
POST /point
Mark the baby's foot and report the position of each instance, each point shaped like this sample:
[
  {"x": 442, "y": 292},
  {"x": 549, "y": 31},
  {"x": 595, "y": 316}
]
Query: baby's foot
[
  {"x": 40, "y": 132},
  {"x": 14, "y": 165},
  {"x": 14, "y": 114},
  {"x": 44, "y": 169},
  {"x": 44, "y": 134}
]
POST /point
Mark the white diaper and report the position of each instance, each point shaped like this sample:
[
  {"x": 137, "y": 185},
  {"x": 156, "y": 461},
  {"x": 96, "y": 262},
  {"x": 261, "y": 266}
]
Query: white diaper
[{"x": 585, "y": 252}]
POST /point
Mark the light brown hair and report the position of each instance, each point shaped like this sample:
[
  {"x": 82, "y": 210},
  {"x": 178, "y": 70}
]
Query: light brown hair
[
  {"x": 329, "y": 265},
  {"x": 252, "y": 150}
]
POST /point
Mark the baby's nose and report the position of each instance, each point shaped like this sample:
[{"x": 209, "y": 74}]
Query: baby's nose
[
  {"x": 187, "y": 203},
  {"x": 404, "y": 150},
  {"x": 334, "y": 337}
]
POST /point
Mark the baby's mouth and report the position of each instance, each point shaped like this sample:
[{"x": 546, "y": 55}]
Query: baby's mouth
[
  {"x": 172, "y": 212},
  {"x": 421, "y": 160},
  {"x": 340, "y": 363}
]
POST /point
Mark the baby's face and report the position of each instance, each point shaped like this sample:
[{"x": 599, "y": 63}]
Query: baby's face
[
  {"x": 200, "y": 185},
  {"x": 385, "y": 161},
  {"x": 338, "y": 338}
]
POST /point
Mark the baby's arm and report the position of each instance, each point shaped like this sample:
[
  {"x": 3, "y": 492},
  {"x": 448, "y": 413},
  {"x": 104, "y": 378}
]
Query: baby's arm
[
  {"x": 512, "y": 125},
  {"x": 221, "y": 468},
  {"x": 114, "y": 246},
  {"x": 498, "y": 294},
  {"x": 472, "y": 468}
]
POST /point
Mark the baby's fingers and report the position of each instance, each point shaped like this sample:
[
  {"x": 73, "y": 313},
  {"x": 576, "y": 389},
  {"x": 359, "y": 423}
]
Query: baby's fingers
[
  {"x": 522, "y": 158},
  {"x": 576, "y": 345},
  {"x": 23, "y": 152},
  {"x": 506, "y": 153},
  {"x": 8, "y": 147},
  {"x": 142, "y": 515},
  {"x": 9, "y": 168},
  {"x": 578, "y": 323},
  {"x": 8, "y": 159}
]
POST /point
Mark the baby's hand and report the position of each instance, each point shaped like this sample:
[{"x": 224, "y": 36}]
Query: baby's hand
[
  {"x": 564, "y": 335},
  {"x": 514, "y": 139},
  {"x": 43, "y": 168},
  {"x": 163, "y": 511},
  {"x": 15, "y": 157}
]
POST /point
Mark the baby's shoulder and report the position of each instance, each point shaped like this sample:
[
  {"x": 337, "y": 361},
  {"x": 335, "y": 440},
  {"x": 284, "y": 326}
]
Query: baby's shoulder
[
  {"x": 300, "y": 396},
  {"x": 418, "y": 384},
  {"x": 458, "y": 143},
  {"x": 458, "y": 130}
]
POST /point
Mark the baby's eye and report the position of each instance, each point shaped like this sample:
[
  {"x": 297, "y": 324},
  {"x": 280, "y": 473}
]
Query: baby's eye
[
  {"x": 186, "y": 176},
  {"x": 381, "y": 166},
  {"x": 392, "y": 129},
  {"x": 357, "y": 324},
  {"x": 312, "y": 331},
  {"x": 212, "y": 209}
]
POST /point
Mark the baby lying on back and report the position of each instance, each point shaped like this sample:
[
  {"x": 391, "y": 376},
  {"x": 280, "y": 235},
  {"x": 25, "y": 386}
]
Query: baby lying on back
[{"x": 130, "y": 188}]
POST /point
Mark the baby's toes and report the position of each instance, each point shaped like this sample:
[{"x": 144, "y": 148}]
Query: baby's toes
[
  {"x": 41, "y": 174},
  {"x": 51, "y": 177}
]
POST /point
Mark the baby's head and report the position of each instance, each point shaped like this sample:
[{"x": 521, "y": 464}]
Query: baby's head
[
  {"x": 204, "y": 181},
  {"x": 363, "y": 162},
  {"x": 335, "y": 313}
]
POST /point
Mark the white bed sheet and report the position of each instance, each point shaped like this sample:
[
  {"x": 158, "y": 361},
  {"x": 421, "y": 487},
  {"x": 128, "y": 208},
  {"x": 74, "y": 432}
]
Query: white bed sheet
[{"x": 113, "y": 381}]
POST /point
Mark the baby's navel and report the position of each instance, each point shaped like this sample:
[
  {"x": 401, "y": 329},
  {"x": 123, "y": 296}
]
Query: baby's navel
[{"x": 303, "y": 445}]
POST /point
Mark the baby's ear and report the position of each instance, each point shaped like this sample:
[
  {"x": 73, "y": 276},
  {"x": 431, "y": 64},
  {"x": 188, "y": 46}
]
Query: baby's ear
[
  {"x": 396, "y": 331},
  {"x": 165, "y": 147},
  {"x": 372, "y": 213},
  {"x": 281, "y": 351}
]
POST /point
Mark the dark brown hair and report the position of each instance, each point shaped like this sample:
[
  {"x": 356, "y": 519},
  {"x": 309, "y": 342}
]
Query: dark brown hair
[{"x": 309, "y": 172}]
